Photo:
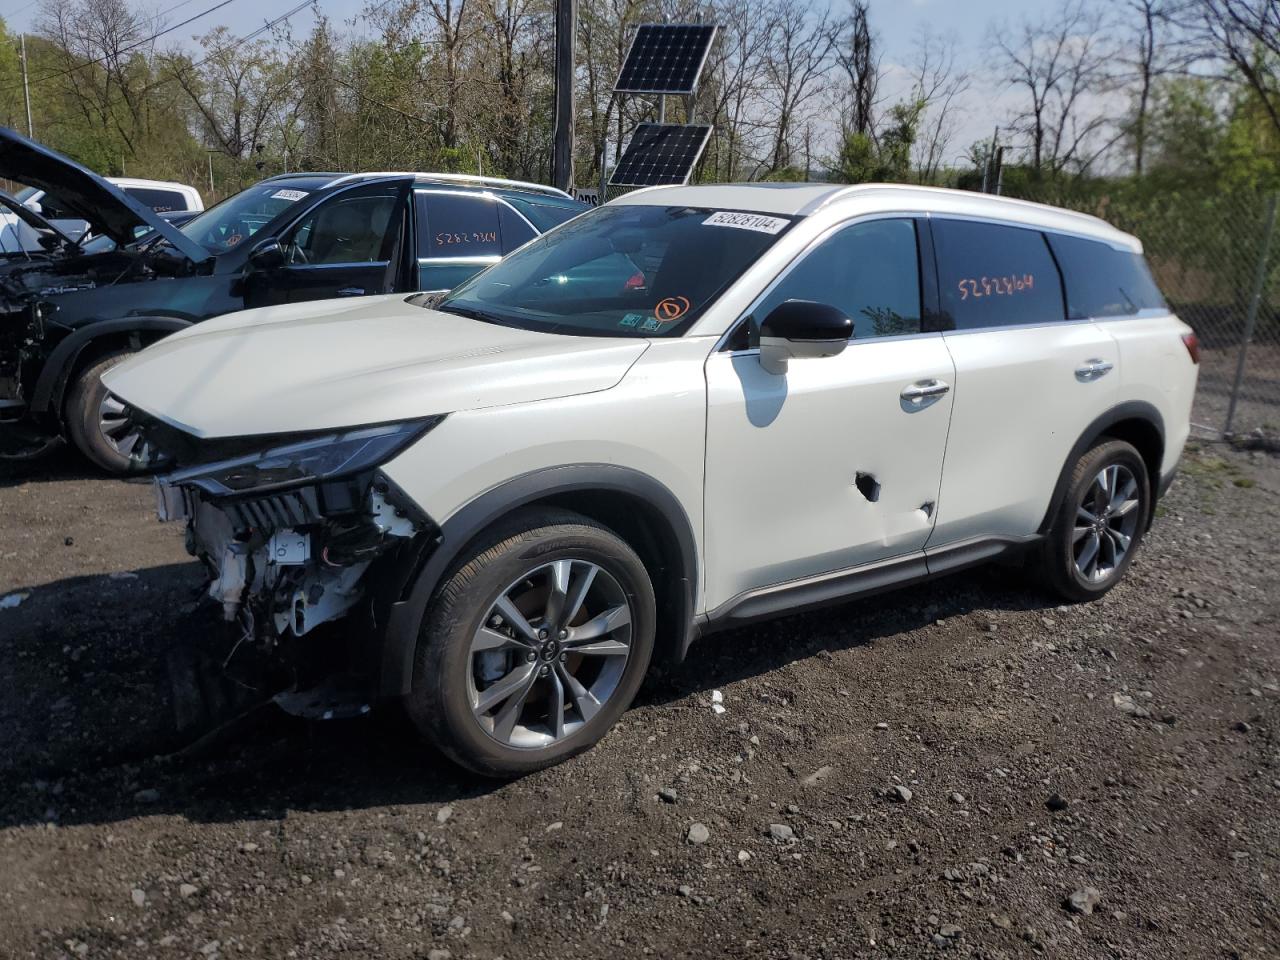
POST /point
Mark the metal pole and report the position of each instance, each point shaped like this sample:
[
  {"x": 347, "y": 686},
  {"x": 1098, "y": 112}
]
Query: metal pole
[
  {"x": 986, "y": 167},
  {"x": 562, "y": 148},
  {"x": 209, "y": 155},
  {"x": 662, "y": 109},
  {"x": 1251, "y": 318},
  {"x": 999, "y": 170},
  {"x": 26, "y": 89}
]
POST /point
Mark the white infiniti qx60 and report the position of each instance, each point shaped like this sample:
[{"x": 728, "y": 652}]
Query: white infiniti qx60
[{"x": 690, "y": 408}]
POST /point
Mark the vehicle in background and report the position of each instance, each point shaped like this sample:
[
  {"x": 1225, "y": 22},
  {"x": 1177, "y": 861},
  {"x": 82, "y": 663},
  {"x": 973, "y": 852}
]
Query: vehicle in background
[
  {"x": 162, "y": 196},
  {"x": 688, "y": 409},
  {"x": 70, "y": 312}
]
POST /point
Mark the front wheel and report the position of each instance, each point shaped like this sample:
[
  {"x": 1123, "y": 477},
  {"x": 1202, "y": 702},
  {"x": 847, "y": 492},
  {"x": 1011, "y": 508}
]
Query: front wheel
[
  {"x": 97, "y": 422},
  {"x": 535, "y": 645},
  {"x": 1099, "y": 523}
]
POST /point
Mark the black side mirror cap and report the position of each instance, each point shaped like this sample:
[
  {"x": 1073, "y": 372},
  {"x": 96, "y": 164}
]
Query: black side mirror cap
[
  {"x": 800, "y": 329},
  {"x": 267, "y": 255}
]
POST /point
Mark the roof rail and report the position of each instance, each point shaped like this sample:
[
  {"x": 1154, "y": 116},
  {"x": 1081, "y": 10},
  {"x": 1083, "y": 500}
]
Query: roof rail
[{"x": 466, "y": 179}]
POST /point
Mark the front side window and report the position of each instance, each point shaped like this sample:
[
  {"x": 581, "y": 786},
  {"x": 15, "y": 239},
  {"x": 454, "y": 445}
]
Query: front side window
[
  {"x": 342, "y": 230},
  {"x": 870, "y": 271},
  {"x": 620, "y": 271},
  {"x": 1103, "y": 281},
  {"x": 993, "y": 275}
]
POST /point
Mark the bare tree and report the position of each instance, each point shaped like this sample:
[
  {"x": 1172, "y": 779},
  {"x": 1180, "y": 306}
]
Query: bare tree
[
  {"x": 938, "y": 83},
  {"x": 1057, "y": 63},
  {"x": 1245, "y": 35},
  {"x": 803, "y": 43},
  {"x": 861, "y": 66}
]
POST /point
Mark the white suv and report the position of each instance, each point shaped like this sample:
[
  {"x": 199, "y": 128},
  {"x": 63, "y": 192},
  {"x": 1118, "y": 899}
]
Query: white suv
[{"x": 688, "y": 409}]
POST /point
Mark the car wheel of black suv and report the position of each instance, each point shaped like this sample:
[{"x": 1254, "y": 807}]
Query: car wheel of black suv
[
  {"x": 96, "y": 421},
  {"x": 534, "y": 646},
  {"x": 1100, "y": 522}
]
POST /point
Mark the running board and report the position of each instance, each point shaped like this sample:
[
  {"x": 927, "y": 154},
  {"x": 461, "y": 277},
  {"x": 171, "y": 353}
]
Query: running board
[{"x": 838, "y": 586}]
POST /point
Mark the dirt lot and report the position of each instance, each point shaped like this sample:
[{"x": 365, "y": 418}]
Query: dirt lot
[{"x": 1151, "y": 718}]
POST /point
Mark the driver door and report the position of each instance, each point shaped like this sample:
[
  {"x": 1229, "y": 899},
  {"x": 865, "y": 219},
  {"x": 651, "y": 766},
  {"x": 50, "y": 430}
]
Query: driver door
[
  {"x": 836, "y": 463},
  {"x": 348, "y": 245}
]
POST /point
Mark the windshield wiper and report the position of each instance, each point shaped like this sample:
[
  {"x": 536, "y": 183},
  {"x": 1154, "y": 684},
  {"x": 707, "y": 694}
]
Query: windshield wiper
[{"x": 473, "y": 314}]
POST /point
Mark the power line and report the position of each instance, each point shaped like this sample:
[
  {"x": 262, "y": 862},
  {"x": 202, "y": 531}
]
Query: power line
[{"x": 133, "y": 46}]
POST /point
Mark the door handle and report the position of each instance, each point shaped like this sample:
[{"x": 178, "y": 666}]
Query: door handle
[
  {"x": 923, "y": 392},
  {"x": 351, "y": 292},
  {"x": 1091, "y": 370}
]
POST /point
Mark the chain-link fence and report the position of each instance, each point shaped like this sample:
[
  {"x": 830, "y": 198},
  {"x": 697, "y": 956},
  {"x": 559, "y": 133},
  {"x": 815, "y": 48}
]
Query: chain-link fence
[{"x": 1217, "y": 261}]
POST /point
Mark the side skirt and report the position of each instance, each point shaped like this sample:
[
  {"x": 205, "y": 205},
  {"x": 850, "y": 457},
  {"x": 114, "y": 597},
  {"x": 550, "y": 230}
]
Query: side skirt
[{"x": 841, "y": 585}]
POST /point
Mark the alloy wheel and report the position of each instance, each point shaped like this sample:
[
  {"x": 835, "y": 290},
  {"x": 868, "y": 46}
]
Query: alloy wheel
[
  {"x": 549, "y": 654},
  {"x": 119, "y": 431},
  {"x": 1106, "y": 522}
]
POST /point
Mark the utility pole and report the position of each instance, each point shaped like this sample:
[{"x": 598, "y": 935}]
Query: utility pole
[
  {"x": 26, "y": 89},
  {"x": 562, "y": 148}
]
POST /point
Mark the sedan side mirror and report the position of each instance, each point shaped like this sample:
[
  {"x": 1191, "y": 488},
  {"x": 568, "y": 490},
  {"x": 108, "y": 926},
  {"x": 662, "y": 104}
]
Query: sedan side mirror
[
  {"x": 268, "y": 255},
  {"x": 799, "y": 329}
]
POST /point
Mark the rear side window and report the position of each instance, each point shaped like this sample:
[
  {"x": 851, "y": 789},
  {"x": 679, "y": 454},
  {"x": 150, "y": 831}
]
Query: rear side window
[
  {"x": 457, "y": 225},
  {"x": 1102, "y": 281},
  {"x": 161, "y": 201},
  {"x": 995, "y": 276}
]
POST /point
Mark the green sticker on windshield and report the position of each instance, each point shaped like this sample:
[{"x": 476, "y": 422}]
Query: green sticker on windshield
[{"x": 631, "y": 320}]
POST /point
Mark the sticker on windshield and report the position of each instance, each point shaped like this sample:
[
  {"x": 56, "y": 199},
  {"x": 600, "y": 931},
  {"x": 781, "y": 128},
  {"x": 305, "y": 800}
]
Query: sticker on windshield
[
  {"x": 746, "y": 221},
  {"x": 291, "y": 195},
  {"x": 671, "y": 308},
  {"x": 651, "y": 324},
  {"x": 631, "y": 320}
]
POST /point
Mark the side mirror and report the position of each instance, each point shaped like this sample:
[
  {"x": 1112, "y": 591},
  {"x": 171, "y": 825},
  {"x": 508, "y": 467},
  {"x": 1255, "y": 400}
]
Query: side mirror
[
  {"x": 799, "y": 329},
  {"x": 267, "y": 255}
]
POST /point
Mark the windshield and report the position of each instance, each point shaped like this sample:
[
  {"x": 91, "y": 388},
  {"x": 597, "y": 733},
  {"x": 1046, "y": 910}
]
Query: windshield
[
  {"x": 236, "y": 219},
  {"x": 620, "y": 271}
]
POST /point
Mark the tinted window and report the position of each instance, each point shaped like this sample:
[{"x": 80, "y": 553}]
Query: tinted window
[
  {"x": 547, "y": 212},
  {"x": 871, "y": 271},
  {"x": 995, "y": 276},
  {"x": 158, "y": 200},
  {"x": 231, "y": 222},
  {"x": 342, "y": 231},
  {"x": 515, "y": 229},
  {"x": 457, "y": 225},
  {"x": 1102, "y": 281}
]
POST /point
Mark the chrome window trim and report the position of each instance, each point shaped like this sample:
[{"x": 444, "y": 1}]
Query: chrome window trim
[
  {"x": 804, "y": 252},
  {"x": 333, "y": 266},
  {"x": 489, "y": 258}
]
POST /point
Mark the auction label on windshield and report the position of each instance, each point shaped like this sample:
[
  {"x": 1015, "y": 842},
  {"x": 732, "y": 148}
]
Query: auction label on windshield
[
  {"x": 291, "y": 195},
  {"x": 746, "y": 221}
]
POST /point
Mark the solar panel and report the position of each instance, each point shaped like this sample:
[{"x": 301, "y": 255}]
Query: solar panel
[
  {"x": 665, "y": 58},
  {"x": 660, "y": 153}
]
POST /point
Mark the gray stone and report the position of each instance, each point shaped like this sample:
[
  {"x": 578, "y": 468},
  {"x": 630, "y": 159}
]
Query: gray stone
[
  {"x": 698, "y": 833},
  {"x": 149, "y": 795},
  {"x": 668, "y": 795},
  {"x": 899, "y": 793},
  {"x": 187, "y": 890},
  {"x": 815, "y": 778},
  {"x": 781, "y": 832},
  {"x": 139, "y": 897},
  {"x": 1084, "y": 900}
]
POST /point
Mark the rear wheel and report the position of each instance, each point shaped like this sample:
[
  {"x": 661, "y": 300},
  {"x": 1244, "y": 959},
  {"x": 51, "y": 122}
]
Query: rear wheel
[
  {"x": 535, "y": 646},
  {"x": 96, "y": 420},
  {"x": 1100, "y": 522}
]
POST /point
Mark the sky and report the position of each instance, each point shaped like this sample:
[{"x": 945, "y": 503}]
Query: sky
[{"x": 897, "y": 24}]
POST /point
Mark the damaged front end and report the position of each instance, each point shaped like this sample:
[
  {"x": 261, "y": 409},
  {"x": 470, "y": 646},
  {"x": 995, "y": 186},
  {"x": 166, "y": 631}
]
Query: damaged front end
[{"x": 298, "y": 533}]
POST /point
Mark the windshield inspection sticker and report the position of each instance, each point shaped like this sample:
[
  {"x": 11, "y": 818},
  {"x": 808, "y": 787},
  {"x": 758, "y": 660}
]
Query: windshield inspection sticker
[
  {"x": 746, "y": 221},
  {"x": 293, "y": 196},
  {"x": 631, "y": 320}
]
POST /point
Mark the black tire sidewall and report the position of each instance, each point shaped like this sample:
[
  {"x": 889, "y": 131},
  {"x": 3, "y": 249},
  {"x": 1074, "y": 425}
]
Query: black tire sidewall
[
  {"x": 83, "y": 404},
  {"x": 1060, "y": 556},
  {"x": 439, "y": 702}
]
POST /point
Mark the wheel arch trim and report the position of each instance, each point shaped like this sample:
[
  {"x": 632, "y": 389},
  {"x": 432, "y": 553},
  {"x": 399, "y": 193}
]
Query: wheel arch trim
[
  {"x": 52, "y": 382},
  {"x": 400, "y": 639},
  {"x": 1132, "y": 410}
]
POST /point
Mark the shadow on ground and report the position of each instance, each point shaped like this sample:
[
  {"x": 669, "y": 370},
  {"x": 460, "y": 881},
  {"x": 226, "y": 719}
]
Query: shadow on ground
[{"x": 90, "y": 703}]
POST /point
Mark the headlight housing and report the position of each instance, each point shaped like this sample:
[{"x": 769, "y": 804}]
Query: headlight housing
[{"x": 301, "y": 462}]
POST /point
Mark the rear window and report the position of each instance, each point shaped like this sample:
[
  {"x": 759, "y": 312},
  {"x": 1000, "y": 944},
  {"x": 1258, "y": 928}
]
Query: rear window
[
  {"x": 1102, "y": 281},
  {"x": 993, "y": 275},
  {"x": 161, "y": 201}
]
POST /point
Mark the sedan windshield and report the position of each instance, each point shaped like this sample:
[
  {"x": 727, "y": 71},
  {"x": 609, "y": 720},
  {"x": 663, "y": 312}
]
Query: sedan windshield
[
  {"x": 620, "y": 271},
  {"x": 236, "y": 219}
]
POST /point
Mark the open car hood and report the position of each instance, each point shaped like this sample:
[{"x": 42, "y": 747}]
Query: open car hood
[
  {"x": 329, "y": 364},
  {"x": 108, "y": 209}
]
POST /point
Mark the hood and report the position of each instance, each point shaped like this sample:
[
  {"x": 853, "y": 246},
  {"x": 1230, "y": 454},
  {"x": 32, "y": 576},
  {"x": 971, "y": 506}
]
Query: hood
[
  {"x": 33, "y": 220},
  {"x": 342, "y": 363},
  {"x": 83, "y": 193}
]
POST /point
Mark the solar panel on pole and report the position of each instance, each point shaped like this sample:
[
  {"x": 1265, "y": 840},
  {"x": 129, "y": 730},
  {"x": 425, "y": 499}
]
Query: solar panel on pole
[
  {"x": 661, "y": 153},
  {"x": 665, "y": 58}
]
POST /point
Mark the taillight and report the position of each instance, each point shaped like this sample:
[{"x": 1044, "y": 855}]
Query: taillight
[
  {"x": 1193, "y": 346},
  {"x": 635, "y": 282}
]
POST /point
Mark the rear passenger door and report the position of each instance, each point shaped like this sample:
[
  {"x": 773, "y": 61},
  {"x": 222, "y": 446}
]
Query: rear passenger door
[
  {"x": 460, "y": 233},
  {"x": 1029, "y": 381}
]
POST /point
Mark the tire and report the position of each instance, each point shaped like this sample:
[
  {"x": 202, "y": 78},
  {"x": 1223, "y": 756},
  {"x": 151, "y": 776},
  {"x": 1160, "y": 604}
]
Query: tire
[
  {"x": 1092, "y": 515},
  {"x": 88, "y": 403},
  {"x": 466, "y": 659}
]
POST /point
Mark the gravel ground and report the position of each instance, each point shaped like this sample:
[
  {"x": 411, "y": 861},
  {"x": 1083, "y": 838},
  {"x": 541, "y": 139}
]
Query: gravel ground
[{"x": 962, "y": 768}]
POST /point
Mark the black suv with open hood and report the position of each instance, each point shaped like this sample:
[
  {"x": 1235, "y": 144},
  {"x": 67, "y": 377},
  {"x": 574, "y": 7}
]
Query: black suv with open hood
[{"x": 69, "y": 310}]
